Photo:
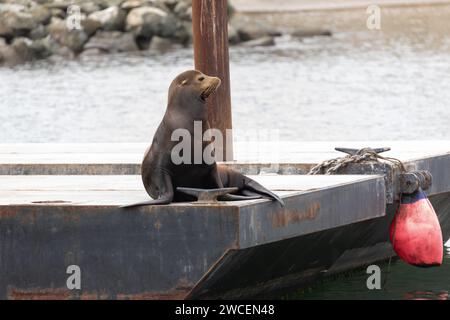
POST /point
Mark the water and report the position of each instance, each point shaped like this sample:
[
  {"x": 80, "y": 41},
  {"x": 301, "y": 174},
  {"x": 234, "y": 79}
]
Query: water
[
  {"x": 390, "y": 84},
  {"x": 357, "y": 85},
  {"x": 404, "y": 282}
]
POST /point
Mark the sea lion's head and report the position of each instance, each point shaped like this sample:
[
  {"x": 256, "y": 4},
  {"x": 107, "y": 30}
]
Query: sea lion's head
[{"x": 192, "y": 86}]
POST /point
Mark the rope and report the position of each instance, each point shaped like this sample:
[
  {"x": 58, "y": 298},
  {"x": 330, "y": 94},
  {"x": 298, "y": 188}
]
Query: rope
[{"x": 333, "y": 166}]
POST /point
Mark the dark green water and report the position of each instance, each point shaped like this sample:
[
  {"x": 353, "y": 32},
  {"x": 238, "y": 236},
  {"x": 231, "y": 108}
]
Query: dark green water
[{"x": 404, "y": 282}]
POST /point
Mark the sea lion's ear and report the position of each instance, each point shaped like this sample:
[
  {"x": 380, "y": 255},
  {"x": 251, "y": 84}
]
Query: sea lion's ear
[{"x": 184, "y": 82}]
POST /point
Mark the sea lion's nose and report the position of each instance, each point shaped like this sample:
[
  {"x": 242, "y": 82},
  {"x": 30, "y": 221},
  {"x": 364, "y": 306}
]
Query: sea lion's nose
[{"x": 215, "y": 81}]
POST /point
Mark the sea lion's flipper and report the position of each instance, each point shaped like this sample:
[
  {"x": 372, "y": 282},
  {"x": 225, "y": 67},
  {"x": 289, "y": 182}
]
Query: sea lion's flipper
[
  {"x": 247, "y": 186},
  {"x": 254, "y": 186},
  {"x": 248, "y": 193},
  {"x": 159, "y": 201},
  {"x": 237, "y": 197},
  {"x": 164, "y": 184}
]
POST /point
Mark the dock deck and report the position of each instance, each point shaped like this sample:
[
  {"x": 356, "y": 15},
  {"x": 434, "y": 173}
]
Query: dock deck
[{"x": 284, "y": 158}]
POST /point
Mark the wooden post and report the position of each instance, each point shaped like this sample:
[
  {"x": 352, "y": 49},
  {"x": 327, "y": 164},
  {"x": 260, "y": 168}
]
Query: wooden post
[{"x": 210, "y": 30}]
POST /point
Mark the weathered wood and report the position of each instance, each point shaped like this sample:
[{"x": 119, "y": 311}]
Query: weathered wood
[{"x": 210, "y": 30}]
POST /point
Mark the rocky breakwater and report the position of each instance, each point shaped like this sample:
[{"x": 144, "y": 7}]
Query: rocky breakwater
[
  {"x": 37, "y": 29},
  {"x": 31, "y": 30}
]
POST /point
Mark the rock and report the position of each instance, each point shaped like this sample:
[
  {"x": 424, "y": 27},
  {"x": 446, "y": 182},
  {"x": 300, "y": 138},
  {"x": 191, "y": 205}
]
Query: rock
[
  {"x": 89, "y": 7},
  {"x": 5, "y": 30},
  {"x": 64, "y": 52},
  {"x": 131, "y": 4},
  {"x": 143, "y": 43},
  {"x": 22, "y": 50},
  {"x": 108, "y": 3},
  {"x": 8, "y": 56},
  {"x": 25, "y": 3},
  {"x": 162, "y": 44},
  {"x": 187, "y": 26},
  {"x": 112, "y": 18},
  {"x": 59, "y": 4},
  {"x": 12, "y": 7},
  {"x": 183, "y": 10},
  {"x": 183, "y": 33},
  {"x": 150, "y": 21},
  {"x": 41, "y": 14},
  {"x": 58, "y": 13},
  {"x": 16, "y": 24},
  {"x": 138, "y": 16},
  {"x": 38, "y": 33},
  {"x": 233, "y": 35},
  {"x": 255, "y": 31},
  {"x": 171, "y": 4},
  {"x": 42, "y": 48},
  {"x": 90, "y": 26},
  {"x": 92, "y": 52},
  {"x": 189, "y": 14},
  {"x": 311, "y": 33},
  {"x": 261, "y": 42},
  {"x": 112, "y": 41},
  {"x": 230, "y": 11},
  {"x": 72, "y": 39}
]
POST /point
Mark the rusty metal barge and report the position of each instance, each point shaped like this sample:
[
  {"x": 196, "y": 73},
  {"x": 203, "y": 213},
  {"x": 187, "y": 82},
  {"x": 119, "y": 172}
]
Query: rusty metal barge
[{"x": 59, "y": 206}]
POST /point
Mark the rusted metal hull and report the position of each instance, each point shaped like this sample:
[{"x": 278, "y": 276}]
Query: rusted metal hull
[
  {"x": 172, "y": 252},
  {"x": 269, "y": 270},
  {"x": 144, "y": 254},
  {"x": 192, "y": 252}
]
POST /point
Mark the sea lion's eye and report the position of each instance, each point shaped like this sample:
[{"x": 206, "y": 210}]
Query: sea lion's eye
[
  {"x": 201, "y": 79},
  {"x": 184, "y": 82}
]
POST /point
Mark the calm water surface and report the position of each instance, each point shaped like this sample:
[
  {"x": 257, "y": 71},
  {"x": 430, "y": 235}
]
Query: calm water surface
[
  {"x": 356, "y": 85},
  {"x": 402, "y": 282}
]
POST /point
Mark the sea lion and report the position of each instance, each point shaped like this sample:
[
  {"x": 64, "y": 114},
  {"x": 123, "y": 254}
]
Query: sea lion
[{"x": 161, "y": 176}]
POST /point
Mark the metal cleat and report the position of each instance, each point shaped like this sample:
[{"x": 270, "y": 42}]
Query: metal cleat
[
  {"x": 410, "y": 182},
  {"x": 353, "y": 152}
]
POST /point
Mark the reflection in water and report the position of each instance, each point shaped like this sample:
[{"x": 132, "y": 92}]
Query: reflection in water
[
  {"x": 404, "y": 282},
  {"x": 419, "y": 295},
  {"x": 358, "y": 84}
]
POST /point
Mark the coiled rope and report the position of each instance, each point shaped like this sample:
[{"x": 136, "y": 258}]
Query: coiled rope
[{"x": 334, "y": 166}]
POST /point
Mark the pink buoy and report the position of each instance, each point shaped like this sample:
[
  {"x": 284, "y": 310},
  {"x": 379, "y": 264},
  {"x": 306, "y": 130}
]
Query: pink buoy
[{"x": 415, "y": 232}]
